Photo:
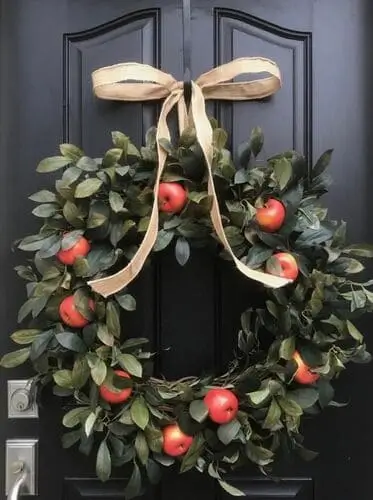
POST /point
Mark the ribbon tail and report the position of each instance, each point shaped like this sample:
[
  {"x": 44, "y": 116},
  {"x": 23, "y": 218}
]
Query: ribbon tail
[
  {"x": 204, "y": 137},
  {"x": 116, "y": 282}
]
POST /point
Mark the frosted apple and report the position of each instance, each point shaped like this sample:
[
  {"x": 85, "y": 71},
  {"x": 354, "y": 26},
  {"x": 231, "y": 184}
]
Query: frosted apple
[
  {"x": 271, "y": 217},
  {"x": 222, "y": 405},
  {"x": 172, "y": 197},
  {"x": 70, "y": 314},
  {"x": 175, "y": 442},
  {"x": 80, "y": 249},
  {"x": 288, "y": 264},
  {"x": 116, "y": 397},
  {"x": 303, "y": 375}
]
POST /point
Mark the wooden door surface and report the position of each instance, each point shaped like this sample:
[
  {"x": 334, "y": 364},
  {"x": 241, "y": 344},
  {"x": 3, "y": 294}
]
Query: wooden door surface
[{"x": 48, "y": 49}]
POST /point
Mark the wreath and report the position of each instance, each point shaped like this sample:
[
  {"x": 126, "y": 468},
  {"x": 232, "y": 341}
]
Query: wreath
[
  {"x": 92, "y": 224},
  {"x": 288, "y": 350}
]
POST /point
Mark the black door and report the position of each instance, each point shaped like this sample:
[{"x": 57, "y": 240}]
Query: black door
[{"x": 48, "y": 50}]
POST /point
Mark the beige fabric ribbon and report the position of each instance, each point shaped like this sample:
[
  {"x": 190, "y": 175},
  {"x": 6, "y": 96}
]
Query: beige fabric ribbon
[{"x": 116, "y": 83}]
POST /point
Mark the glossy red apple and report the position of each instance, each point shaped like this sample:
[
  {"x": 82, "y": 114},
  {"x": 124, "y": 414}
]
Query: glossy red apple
[
  {"x": 303, "y": 375},
  {"x": 289, "y": 266},
  {"x": 70, "y": 314},
  {"x": 222, "y": 405},
  {"x": 175, "y": 442},
  {"x": 172, "y": 197},
  {"x": 116, "y": 397},
  {"x": 271, "y": 217},
  {"x": 80, "y": 249}
]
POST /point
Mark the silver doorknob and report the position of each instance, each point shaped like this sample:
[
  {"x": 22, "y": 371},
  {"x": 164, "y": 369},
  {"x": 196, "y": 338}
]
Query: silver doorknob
[
  {"x": 21, "y": 400},
  {"x": 17, "y": 468}
]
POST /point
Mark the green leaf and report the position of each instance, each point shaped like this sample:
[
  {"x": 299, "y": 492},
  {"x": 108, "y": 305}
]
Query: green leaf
[
  {"x": 140, "y": 413},
  {"x": 141, "y": 447},
  {"x": 80, "y": 373},
  {"x": 227, "y": 432},
  {"x": 257, "y": 255},
  {"x": 283, "y": 172},
  {"x": 290, "y": 407},
  {"x": 119, "y": 140},
  {"x": 131, "y": 364},
  {"x": 112, "y": 157},
  {"x": 71, "y": 152},
  {"x": 258, "y": 454},
  {"x": 154, "y": 438},
  {"x": 71, "y": 341},
  {"x": 70, "y": 239},
  {"x": 75, "y": 416},
  {"x": 287, "y": 348},
  {"x": 153, "y": 471},
  {"x": 354, "y": 332},
  {"x": 244, "y": 154},
  {"x": 273, "y": 266},
  {"x": 15, "y": 358},
  {"x": 113, "y": 319},
  {"x": 87, "y": 164},
  {"x": 70, "y": 438},
  {"x": 99, "y": 372},
  {"x": 72, "y": 214},
  {"x": 53, "y": 163},
  {"x": 273, "y": 417},
  {"x": 311, "y": 237},
  {"x": 182, "y": 251},
  {"x": 104, "y": 335},
  {"x": 232, "y": 490},
  {"x": 258, "y": 397},
  {"x": 40, "y": 344},
  {"x": 220, "y": 138},
  {"x": 116, "y": 201},
  {"x": 45, "y": 210},
  {"x": 103, "y": 462},
  {"x": 87, "y": 188},
  {"x": 50, "y": 247},
  {"x": 90, "y": 423},
  {"x": 133, "y": 487},
  {"x": 256, "y": 141},
  {"x": 126, "y": 301},
  {"x": 164, "y": 238},
  {"x": 198, "y": 410},
  {"x": 322, "y": 163},
  {"x": 360, "y": 250},
  {"x": 304, "y": 397},
  {"x": 194, "y": 452},
  {"x": 43, "y": 196},
  {"x": 24, "y": 337},
  {"x": 71, "y": 175},
  {"x": 166, "y": 145},
  {"x": 63, "y": 378}
]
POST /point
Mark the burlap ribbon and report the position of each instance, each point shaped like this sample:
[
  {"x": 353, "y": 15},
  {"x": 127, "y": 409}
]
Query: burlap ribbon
[{"x": 117, "y": 83}]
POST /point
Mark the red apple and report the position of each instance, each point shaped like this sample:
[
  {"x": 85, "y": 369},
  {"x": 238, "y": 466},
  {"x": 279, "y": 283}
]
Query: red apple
[
  {"x": 69, "y": 256},
  {"x": 175, "y": 442},
  {"x": 172, "y": 197},
  {"x": 116, "y": 397},
  {"x": 222, "y": 405},
  {"x": 289, "y": 266},
  {"x": 271, "y": 217},
  {"x": 70, "y": 314},
  {"x": 303, "y": 375}
]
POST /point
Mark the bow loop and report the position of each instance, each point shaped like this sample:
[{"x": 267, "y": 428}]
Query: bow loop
[{"x": 117, "y": 83}]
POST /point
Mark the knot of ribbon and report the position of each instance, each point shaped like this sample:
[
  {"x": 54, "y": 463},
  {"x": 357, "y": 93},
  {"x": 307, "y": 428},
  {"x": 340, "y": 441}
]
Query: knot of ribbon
[{"x": 141, "y": 82}]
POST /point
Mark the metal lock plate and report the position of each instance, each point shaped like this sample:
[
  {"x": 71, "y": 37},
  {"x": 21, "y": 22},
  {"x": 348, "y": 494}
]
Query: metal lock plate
[
  {"x": 20, "y": 400},
  {"x": 25, "y": 451}
]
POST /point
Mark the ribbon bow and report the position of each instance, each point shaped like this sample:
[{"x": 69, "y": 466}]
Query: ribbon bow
[{"x": 116, "y": 83}]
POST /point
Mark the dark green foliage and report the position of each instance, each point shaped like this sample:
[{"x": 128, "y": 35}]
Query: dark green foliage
[{"x": 109, "y": 201}]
